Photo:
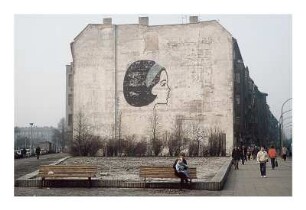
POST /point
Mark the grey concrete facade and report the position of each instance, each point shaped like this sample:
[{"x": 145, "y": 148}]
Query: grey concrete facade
[{"x": 197, "y": 97}]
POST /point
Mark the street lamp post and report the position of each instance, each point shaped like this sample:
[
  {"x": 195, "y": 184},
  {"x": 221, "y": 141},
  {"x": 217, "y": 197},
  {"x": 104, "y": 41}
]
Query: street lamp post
[
  {"x": 31, "y": 140},
  {"x": 282, "y": 120}
]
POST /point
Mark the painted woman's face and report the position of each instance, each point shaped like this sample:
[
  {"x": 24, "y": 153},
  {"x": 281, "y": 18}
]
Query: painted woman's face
[{"x": 161, "y": 89}]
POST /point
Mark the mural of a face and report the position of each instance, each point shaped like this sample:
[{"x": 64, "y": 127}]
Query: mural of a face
[
  {"x": 145, "y": 81},
  {"x": 161, "y": 89}
]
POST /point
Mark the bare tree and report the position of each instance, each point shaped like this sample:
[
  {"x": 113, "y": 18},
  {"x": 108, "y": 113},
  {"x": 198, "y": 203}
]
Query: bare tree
[
  {"x": 60, "y": 135},
  {"x": 173, "y": 145},
  {"x": 157, "y": 146},
  {"x": 216, "y": 142},
  {"x": 140, "y": 148},
  {"x": 193, "y": 149},
  {"x": 175, "y": 142},
  {"x": 63, "y": 132},
  {"x": 198, "y": 137},
  {"x": 84, "y": 143},
  {"x": 156, "y": 143},
  {"x": 129, "y": 145},
  {"x": 112, "y": 147}
]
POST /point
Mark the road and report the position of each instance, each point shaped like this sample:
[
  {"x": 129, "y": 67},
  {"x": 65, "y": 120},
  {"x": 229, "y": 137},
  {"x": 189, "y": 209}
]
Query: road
[{"x": 24, "y": 166}]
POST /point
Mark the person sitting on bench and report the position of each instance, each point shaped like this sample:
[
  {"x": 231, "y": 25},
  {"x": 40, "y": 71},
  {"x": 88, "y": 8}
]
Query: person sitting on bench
[{"x": 181, "y": 169}]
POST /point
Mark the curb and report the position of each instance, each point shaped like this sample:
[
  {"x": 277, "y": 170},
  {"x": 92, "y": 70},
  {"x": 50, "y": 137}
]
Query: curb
[{"x": 215, "y": 184}]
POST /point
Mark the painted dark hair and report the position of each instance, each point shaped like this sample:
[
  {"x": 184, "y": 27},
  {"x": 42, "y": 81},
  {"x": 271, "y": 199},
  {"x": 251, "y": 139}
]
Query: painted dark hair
[{"x": 140, "y": 77}]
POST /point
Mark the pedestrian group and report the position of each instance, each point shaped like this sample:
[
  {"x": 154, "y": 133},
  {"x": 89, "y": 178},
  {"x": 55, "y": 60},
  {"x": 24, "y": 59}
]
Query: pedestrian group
[{"x": 261, "y": 155}]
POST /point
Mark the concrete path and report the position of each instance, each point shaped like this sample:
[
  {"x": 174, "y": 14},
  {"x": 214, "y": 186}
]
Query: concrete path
[{"x": 247, "y": 180}]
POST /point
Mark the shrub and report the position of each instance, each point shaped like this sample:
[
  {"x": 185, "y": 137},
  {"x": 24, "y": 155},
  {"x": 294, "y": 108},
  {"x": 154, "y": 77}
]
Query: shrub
[
  {"x": 112, "y": 147},
  {"x": 193, "y": 149},
  {"x": 140, "y": 148},
  {"x": 87, "y": 146},
  {"x": 174, "y": 146},
  {"x": 157, "y": 146}
]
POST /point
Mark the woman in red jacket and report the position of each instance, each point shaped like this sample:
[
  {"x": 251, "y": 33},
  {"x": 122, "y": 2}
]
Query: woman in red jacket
[{"x": 272, "y": 154}]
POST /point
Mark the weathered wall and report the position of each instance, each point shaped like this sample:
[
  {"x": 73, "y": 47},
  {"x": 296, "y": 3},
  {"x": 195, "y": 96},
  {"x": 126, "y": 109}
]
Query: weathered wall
[
  {"x": 199, "y": 63},
  {"x": 94, "y": 68}
]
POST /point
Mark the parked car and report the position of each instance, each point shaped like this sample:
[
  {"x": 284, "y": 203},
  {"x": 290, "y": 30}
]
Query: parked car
[
  {"x": 17, "y": 154},
  {"x": 43, "y": 151},
  {"x": 29, "y": 153}
]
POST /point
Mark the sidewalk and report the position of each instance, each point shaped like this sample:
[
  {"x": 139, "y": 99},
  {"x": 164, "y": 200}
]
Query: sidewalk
[{"x": 247, "y": 180}]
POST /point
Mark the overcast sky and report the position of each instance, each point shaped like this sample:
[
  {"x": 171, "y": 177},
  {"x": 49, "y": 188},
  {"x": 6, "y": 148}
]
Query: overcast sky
[{"x": 42, "y": 49}]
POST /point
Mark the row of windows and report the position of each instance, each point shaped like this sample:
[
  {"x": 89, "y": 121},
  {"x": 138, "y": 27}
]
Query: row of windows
[{"x": 70, "y": 99}]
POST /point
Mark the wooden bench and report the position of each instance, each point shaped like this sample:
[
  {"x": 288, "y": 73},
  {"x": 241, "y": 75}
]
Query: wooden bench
[
  {"x": 58, "y": 172},
  {"x": 163, "y": 172}
]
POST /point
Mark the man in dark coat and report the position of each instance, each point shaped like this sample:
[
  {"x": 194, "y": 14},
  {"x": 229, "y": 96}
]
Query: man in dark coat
[
  {"x": 37, "y": 151},
  {"x": 24, "y": 152},
  {"x": 236, "y": 156}
]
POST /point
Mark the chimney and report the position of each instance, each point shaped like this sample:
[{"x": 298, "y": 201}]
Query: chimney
[
  {"x": 107, "y": 21},
  {"x": 143, "y": 21},
  {"x": 193, "y": 19}
]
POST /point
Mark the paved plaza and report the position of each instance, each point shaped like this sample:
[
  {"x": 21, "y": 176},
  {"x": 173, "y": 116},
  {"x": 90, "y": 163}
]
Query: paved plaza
[{"x": 243, "y": 182}]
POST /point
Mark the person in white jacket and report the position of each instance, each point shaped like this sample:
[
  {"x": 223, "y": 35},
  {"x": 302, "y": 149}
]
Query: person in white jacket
[{"x": 262, "y": 158}]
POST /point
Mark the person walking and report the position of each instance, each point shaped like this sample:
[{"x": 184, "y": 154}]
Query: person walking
[
  {"x": 236, "y": 157},
  {"x": 24, "y": 152},
  {"x": 262, "y": 158},
  {"x": 255, "y": 151},
  {"x": 272, "y": 155},
  {"x": 249, "y": 152},
  {"x": 284, "y": 153},
  {"x": 243, "y": 154},
  {"x": 37, "y": 151}
]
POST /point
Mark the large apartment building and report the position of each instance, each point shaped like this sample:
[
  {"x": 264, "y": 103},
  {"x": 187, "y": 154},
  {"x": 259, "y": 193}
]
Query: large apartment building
[{"x": 153, "y": 81}]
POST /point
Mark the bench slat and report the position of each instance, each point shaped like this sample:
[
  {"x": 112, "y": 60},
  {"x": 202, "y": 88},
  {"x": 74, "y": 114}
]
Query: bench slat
[
  {"x": 61, "y": 172},
  {"x": 69, "y": 170},
  {"x": 163, "y": 172},
  {"x": 66, "y": 166},
  {"x": 68, "y": 175},
  {"x": 48, "y": 171}
]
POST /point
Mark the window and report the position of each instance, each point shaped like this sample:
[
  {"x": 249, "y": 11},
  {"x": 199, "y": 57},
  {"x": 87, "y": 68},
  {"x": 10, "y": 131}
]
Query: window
[
  {"x": 70, "y": 80},
  {"x": 237, "y": 99},
  {"x": 69, "y": 99},
  {"x": 250, "y": 85},
  {"x": 70, "y": 120},
  {"x": 237, "y": 77},
  {"x": 237, "y": 120}
]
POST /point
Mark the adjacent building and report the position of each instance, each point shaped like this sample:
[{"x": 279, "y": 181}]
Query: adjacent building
[{"x": 254, "y": 123}]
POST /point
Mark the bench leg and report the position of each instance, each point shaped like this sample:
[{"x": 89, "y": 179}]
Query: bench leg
[
  {"x": 145, "y": 183},
  {"x": 42, "y": 182},
  {"x": 190, "y": 185},
  {"x": 89, "y": 182},
  {"x": 182, "y": 184}
]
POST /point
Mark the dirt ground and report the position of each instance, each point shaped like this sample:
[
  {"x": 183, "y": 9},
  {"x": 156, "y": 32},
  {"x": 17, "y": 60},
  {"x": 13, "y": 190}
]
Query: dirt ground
[{"x": 127, "y": 168}]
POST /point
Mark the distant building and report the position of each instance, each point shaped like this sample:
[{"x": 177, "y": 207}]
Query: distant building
[
  {"x": 156, "y": 81},
  {"x": 47, "y": 147},
  {"x": 39, "y": 134}
]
